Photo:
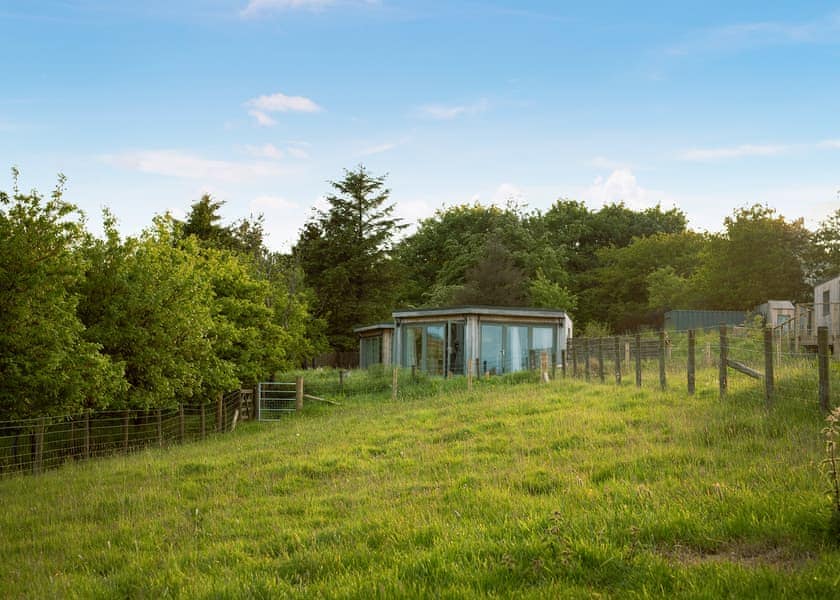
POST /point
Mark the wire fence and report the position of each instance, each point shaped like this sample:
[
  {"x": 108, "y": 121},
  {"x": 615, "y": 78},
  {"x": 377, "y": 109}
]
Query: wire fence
[
  {"x": 37, "y": 444},
  {"x": 730, "y": 360}
]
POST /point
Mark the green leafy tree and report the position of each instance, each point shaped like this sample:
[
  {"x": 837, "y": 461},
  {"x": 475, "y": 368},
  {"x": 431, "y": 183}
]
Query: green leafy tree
[
  {"x": 149, "y": 303},
  {"x": 546, "y": 293},
  {"x": 345, "y": 253},
  {"x": 825, "y": 257},
  {"x": 46, "y": 364},
  {"x": 760, "y": 257},
  {"x": 629, "y": 289},
  {"x": 494, "y": 280}
]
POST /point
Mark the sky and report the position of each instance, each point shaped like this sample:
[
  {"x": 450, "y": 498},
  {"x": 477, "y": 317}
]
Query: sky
[{"x": 144, "y": 106}]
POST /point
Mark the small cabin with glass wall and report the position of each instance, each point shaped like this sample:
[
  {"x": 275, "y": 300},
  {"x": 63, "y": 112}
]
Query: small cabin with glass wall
[
  {"x": 375, "y": 344},
  {"x": 480, "y": 339}
]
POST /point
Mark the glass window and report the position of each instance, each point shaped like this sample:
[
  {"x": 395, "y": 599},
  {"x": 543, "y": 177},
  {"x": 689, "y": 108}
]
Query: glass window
[
  {"x": 371, "y": 351},
  {"x": 516, "y": 351},
  {"x": 542, "y": 339},
  {"x": 413, "y": 346},
  {"x": 435, "y": 349},
  {"x": 826, "y": 303},
  {"x": 491, "y": 348}
]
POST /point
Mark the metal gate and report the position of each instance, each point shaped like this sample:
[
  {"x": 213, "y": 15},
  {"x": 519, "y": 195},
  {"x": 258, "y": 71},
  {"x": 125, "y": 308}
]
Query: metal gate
[{"x": 274, "y": 399}]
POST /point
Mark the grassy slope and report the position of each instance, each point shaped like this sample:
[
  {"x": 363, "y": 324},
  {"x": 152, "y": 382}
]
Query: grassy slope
[{"x": 533, "y": 491}]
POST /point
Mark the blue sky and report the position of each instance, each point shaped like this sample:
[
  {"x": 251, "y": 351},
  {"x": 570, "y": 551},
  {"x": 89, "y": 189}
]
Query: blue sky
[{"x": 706, "y": 106}]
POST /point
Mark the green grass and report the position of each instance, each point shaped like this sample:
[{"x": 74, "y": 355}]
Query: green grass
[{"x": 559, "y": 490}]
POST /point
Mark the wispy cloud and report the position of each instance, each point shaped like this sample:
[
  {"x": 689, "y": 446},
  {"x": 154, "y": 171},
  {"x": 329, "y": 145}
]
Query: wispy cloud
[
  {"x": 383, "y": 147},
  {"x": 740, "y": 36},
  {"x": 261, "y": 106},
  {"x": 744, "y": 150},
  {"x": 266, "y": 151},
  {"x": 748, "y": 150},
  {"x": 445, "y": 112},
  {"x": 271, "y": 203},
  {"x": 256, "y": 8},
  {"x": 177, "y": 163}
]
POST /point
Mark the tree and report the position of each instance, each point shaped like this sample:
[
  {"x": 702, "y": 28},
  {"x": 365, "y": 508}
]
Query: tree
[
  {"x": 345, "y": 253},
  {"x": 149, "y": 304},
  {"x": 825, "y": 259},
  {"x": 494, "y": 280},
  {"x": 760, "y": 257},
  {"x": 47, "y": 366}
]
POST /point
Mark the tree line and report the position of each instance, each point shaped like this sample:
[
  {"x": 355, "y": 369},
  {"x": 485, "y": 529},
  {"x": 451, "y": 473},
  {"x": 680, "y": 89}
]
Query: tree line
[
  {"x": 190, "y": 308},
  {"x": 613, "y": 269},
  {"x": 185, "y": 310}
]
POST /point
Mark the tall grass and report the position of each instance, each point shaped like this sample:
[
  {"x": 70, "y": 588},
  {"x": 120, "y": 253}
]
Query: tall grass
[{"x": 559, "y": 490}]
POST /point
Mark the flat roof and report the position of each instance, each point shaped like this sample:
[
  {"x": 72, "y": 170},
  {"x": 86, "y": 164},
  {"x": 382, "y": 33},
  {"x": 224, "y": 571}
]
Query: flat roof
[
  {"x": 373, "y": 327},
  {"x": 504, "y": 311}
]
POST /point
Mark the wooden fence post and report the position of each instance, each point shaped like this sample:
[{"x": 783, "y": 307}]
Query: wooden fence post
[
  {"x": 87, "y": 434},
  {"x": 691, "y": 361},
  {"x": 159, "y": 420},
  {"x": 394, "y": 383},
  {"x": 638, "y": 360},
  {"x": 203, "y": 423},
  {"x": 662, "y": 382},
  {"x": 469, "y": 374},
  {"x": 219, "y": 411},
  {"x": 574, "y": 360},
  {"x": 181, "y": 424},
  {"x": 478, "y": 368},
  {"x": 39, "y": 445},
  {"x": 724, "y": 356},
  {"x": 586, "y": 345},
  {"x": 768, "y": 365},
  {"x": 564, "y": 355},
  {"x": 627, "y": 354},
  {"x": 601, "y": 360},
  {"x": 822, "y": 349},
  {"x": 298, "y": 393},
  {"x": 125, "y": 430},
  {"x": 553, "y": 365},
  {"x": 341, "y": 381},
  {"x": 707, "y": 355},
  {"x": 617, "y": 351}
]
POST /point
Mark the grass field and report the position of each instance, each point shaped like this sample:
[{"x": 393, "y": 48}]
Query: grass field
[{"x": 559, "y": 490}]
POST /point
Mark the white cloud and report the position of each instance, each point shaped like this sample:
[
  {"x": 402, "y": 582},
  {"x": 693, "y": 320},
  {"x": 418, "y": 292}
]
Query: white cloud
[
  {"x": 507, "y": 192},
  {"x": 282, "y": 103},
  {"x": 262, "y": 118},
  {"x": 255, "y": 7},
  {"x": 830, "y": 144},
  {"x": 701, "y": 154},
  {"x": 622, "y": 186},
  {"x": 442, "y": 112},
  {"x": 273, "y": 203},
  {"x": 296, "y": 152},
  {"x": 176, "y": 163},
  {"x": 266, "y": 151},
  {"x": 383, "y": 147}
]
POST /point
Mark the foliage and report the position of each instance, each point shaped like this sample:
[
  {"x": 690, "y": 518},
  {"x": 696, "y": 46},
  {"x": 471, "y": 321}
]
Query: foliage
[
  {"x": 46, "y": 363},
  {"x": 494, "y": 279},
  {"x": 545, "y": 293},
  {"x": 825, "y": 260},
  {"x": 345, "y": 253},
  {"x": 761, "y": 257},
  {"x": 149, "y": 304}
]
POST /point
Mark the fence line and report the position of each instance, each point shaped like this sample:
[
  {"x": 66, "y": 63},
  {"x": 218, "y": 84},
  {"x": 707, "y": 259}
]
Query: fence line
[
  {"x": 37, "y": 444},
  {"x": 731, "y": 359}
]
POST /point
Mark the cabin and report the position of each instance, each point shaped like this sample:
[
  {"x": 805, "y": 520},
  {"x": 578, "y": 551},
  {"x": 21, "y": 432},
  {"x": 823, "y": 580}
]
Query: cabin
[
  {"x": 468, "y": 339},
  {"x": 801, "y": 330},
  {"x": 375, "y": 344},
  {"x": 775, "y": 312}
]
